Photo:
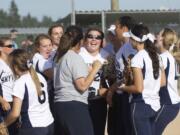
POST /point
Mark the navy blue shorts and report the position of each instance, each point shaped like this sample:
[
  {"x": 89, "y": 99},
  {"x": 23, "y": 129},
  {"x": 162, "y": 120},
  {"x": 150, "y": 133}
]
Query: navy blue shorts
[
  {"x": 119, "y": 116},
  {"x": 72, "y": 118},
  {"x": 37, "y": 130},
  {"x": 143, "y": 118},
  {"x": 98, "y": 113},
  {"x": 165, "y": 115}
]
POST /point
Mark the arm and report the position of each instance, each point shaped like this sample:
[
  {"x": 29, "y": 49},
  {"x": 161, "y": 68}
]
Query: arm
[
  {"x": 163, "y": 78},
  {"x": 49, "y": 73},
  {"x": 5, "y": 105},
  {"x": 83, "y": 83},
  {"x": 15, "y": 112},
  {"x": 137, "y": 87}
]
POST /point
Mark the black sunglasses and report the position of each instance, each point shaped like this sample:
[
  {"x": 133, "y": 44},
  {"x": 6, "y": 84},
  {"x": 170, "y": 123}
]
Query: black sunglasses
[
  {"x": 9, "y": 46},
  {"x": 94, "y": 37}
]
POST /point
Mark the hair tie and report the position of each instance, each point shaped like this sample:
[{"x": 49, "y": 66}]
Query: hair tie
[
  {"x": 29, "y": 63},
  {"x": 151, "y": 37}
]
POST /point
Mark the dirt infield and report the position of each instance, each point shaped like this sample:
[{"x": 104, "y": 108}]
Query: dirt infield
[{"x": 174, "y": 127}]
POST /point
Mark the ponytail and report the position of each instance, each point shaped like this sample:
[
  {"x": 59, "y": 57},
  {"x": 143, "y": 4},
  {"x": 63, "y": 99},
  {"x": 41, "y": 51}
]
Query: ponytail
[
  {"x": 36, "y": 81},
  {"x": 20, "y": 59},
  {"x": 151, "y": 49},
  {"x": 71, "y": 38},
  {"x": 141, "y": 34},
  {"x": 64, "y": 46}
]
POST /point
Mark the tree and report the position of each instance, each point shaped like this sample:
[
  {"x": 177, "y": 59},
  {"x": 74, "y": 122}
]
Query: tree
[
  {"x": 29, "y": 21},
  {"x": 3, "y": 20},
  {"x": 46, "y": 21},
  {"x": 14, "y": 17}
]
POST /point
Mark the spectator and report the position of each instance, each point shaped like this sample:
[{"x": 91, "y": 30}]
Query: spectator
[{"x": 13, "y": 36}]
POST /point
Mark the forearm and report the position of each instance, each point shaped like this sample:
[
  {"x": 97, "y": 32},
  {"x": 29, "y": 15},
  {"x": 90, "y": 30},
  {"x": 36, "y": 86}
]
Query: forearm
[
  {"x": 48, "y": 73},
  {"x": 83, "y": 84},
  {"x": 129, "y": 89},
  {"x": 1, "y": 99},
  {"x": 10, "y": 119},
  {"x": 89, "y": 79},
  {"x": 115, "y": 87}
]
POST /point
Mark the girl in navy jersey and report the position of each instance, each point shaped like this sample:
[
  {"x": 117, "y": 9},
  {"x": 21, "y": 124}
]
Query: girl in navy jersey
[
  {"x": 96, "y": 101},
  {"x": 148, "y": 76},
  {"x": 30, "y": 97},
  {"x": 169, "y": 97}
]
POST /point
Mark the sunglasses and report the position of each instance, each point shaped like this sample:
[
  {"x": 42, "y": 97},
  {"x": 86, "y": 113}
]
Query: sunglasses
[
  {"x": 94, "y": 37},
  {"x": 9, "y": 46}
]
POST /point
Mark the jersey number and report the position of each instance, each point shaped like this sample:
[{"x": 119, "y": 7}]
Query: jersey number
[
  {"x": 42, "y": 98},
  {"x": 97, "y": 77}
]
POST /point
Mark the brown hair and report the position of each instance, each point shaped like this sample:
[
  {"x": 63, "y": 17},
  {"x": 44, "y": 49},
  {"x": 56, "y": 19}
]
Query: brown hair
[
  {"x": 54, "y": 26},
  {"x": 19, "y": 59},
  {"x": 3, "y": 40},
  {"x": 95, "y": 29},
  {"x": 71, "y": 38},
  {"x": 38, "y": 39},
  {"x": 140, "y": 30},
  {"x": 169, "y": 37}
]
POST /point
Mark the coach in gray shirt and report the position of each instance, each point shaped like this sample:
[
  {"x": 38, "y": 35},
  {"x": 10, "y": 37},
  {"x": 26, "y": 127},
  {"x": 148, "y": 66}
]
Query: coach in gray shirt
[{"x": 71, "y": 81}]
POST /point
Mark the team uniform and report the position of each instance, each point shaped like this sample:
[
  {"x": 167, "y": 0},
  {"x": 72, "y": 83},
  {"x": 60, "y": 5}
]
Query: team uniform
[
  {"x": 169, "y": 98},
  {"x": 97, "y": 104},
  {"x": 36, "y": 117},
  {"x": 41, "y": 64},
  {"x": 6, "y": 80},
  {"x": 145, "y": 105},
  {"x": 121, "y": 99},
  {"x": 7, "y": 83},
  {"x": 71, "y": 104}
]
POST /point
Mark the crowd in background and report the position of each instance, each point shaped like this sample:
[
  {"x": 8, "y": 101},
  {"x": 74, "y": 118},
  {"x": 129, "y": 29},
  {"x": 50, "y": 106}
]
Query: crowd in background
[{"x": 73, "y": 82}]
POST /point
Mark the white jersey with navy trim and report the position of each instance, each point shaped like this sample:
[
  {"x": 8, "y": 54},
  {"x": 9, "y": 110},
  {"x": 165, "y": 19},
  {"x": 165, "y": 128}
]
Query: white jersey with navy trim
[
  {"x": 89, "y": 59},
  {"x": 40, "y": 64},
  {"x": 150, "y": 93},
  {"x": 169, "y": 95},
  {"x": 35, "y": 111},
  {"x": 121, "y": 58},
  {"x": 6, "y": 81}
]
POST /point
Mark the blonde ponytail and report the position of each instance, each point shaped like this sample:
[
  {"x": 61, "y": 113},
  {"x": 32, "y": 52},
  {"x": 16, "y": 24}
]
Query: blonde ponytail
[{"x": 35, "y": 80}]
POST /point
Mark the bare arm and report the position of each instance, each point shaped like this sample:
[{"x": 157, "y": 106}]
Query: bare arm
[
  {"x": 137, "y": 87},
  {"x": 49, "y": 73},
  {"x": 4, "y": 104},
  {"x": 163, "y": 78},
  {"x": 82, "y": 84},
  {"x": 15, "y": 112}
]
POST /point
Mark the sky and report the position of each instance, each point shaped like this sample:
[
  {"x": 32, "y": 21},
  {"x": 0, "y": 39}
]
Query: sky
[{"x": 60, "y": 8}]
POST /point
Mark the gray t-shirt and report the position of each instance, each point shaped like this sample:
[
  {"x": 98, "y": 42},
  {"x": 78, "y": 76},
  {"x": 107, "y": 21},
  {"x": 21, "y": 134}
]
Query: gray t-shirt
[{"x": 66, "y": 72}]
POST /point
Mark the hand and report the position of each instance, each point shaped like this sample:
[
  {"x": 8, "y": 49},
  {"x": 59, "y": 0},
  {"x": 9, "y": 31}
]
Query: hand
[
  {"x": 5, "y": 105},
  {"x": 4, "y": 130},
  {"x": 109, "y": 97},
  {"x": 121, "y": 87},
  {"x": 102, "y": 91},
  {"x": 96, "y": 65}
]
